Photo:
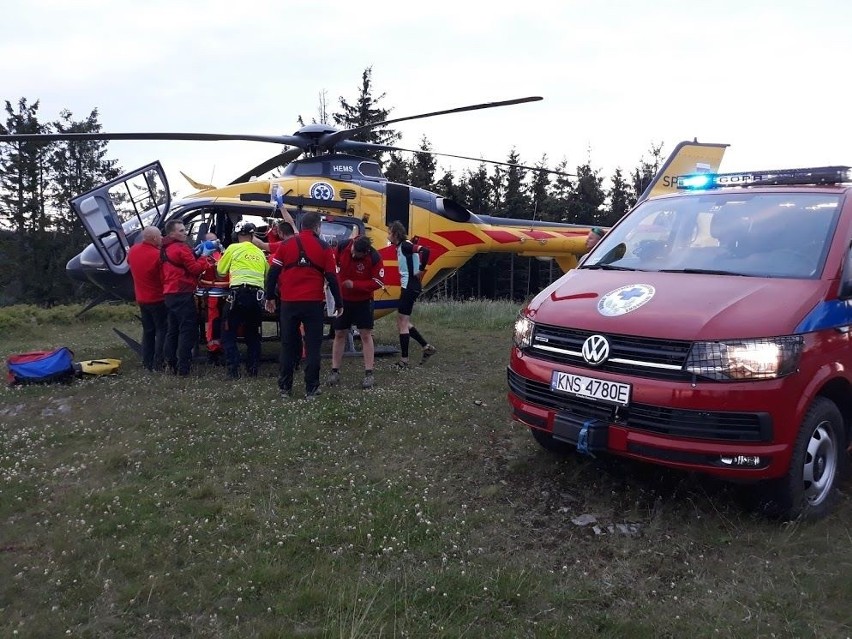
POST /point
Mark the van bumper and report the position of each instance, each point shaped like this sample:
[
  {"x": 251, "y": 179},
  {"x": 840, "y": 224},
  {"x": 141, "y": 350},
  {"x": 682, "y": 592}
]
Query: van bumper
[{"x": 736, "y": 442}]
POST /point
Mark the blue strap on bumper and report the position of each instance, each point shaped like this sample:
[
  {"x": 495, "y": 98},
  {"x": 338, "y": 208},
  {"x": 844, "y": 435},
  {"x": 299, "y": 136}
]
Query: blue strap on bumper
[{"x": 583, "y": 438}]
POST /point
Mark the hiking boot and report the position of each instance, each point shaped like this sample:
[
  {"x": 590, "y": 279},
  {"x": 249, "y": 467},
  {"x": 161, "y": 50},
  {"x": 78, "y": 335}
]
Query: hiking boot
[
  {"x": 368, "y": 382},
  {"x": 286, "y": 393},
  {"x": 401, "y": 366},
  {"x": 252, "y": 372},
  {"x": 233, "y": 373},
  {"x": 333, "y": 378},
  {"x": 428, "y": 351},
  {"x": 311, "y": 395}
]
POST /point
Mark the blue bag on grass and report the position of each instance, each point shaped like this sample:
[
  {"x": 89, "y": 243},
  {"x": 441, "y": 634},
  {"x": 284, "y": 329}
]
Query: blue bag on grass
[{"x": 39, "y": 367}]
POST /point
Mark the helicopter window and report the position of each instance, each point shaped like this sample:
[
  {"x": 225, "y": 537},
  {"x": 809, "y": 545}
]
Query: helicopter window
[
  {"x": 370, "y": 169},
  {"x": 139, "y": 197},
  {"x": 335, "y": 233},
  {"x": 307, "y": 168},
  {"x": 198, "y": 224}
]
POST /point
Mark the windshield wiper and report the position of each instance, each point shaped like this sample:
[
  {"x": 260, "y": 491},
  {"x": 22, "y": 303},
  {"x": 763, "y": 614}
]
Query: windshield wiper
[
  {"x": 703, "y": 271},
  {"x": 609, "y": 267}
]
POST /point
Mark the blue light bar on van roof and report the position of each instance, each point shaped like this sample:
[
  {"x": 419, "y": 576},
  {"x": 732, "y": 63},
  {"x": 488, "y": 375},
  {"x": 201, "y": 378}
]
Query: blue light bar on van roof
[{"x": 817, "y": 175}]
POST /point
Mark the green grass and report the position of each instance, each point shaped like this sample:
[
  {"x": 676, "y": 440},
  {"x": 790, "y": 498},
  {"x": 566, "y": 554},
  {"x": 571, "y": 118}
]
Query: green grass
[{"x": 149, "y": 506}]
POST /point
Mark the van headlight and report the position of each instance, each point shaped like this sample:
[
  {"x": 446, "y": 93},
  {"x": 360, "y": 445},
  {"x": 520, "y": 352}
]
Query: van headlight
[
  {"x": 746, "y": 359},
  {"x": 524, "y": 327}
]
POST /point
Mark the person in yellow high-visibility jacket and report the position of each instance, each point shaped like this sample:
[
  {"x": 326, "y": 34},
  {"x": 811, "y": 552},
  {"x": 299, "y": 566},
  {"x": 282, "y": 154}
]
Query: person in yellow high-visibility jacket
[{"x": 246, "y": 266}]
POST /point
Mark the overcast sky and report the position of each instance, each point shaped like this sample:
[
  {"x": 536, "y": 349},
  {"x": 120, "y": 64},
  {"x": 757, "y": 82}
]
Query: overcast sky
[{"x": 768, "y": 78}]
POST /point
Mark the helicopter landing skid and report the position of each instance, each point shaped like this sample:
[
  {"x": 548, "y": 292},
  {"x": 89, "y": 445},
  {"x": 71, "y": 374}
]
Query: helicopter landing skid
[{"x": 135, "y": 346}]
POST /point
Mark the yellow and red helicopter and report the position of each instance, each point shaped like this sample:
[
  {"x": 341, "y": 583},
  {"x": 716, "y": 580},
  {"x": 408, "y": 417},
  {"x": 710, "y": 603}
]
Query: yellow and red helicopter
[{"x": 323, "y": 173}]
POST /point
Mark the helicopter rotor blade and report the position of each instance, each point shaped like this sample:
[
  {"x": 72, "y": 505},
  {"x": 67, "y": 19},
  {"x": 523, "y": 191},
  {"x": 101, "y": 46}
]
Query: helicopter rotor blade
[
  {"x": 267, "y": 165},
  {"x": 368, "y": 146},
  {"x": 330, "y": 140},
  {"x": 289, "y": 140}
]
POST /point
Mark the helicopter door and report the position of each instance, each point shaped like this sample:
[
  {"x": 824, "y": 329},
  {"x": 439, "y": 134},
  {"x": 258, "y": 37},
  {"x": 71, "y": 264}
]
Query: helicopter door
[{"x": 117, "y": 210}]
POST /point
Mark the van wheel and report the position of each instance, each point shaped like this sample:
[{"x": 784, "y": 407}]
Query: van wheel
[
  {"x": 809, "y": 489},
  {"x": 546, "y": 441}
]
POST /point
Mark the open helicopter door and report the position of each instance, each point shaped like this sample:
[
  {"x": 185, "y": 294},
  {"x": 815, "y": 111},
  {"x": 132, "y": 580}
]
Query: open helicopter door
[{"x": 115, "y": 212}]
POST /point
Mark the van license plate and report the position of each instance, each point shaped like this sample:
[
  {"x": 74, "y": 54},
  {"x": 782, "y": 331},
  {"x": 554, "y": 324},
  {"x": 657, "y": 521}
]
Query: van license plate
[{"x": 599, "y": 389}]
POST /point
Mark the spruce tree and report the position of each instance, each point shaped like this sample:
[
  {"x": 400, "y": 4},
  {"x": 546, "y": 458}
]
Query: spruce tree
[
  {"x": 422, "y": 167},
  {"x": 22, "y": 171},
  {"x": 365, "y": 111},
  {"x": 587, "y": 196},
  {"x": 643, "y": 174},
  {"x": 619, "y": 199}
]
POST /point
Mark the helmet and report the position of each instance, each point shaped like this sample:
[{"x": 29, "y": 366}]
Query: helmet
[{"x": 244, "y": 227}]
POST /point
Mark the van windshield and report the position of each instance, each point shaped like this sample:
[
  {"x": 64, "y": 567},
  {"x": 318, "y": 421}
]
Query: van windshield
[{"x": 752, "y": 234}]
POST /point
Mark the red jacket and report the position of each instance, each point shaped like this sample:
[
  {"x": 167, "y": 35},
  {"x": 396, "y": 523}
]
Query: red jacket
[
  {"x": 181, "y": 268},
  {"x": 366, "y": 273},
  {"x": 303, "y": 283},
  {"x": 147, "y": 272}
]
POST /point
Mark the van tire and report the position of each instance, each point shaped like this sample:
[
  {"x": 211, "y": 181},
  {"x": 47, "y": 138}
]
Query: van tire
[
  {"x": 546, "y": 441},
  {"x": 809, "y": 490}
]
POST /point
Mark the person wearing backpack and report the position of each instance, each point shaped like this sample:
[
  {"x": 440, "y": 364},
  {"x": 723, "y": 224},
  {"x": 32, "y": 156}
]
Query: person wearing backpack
[
  {"x": 180, "y": 276},
  {"x": 143, "y": 258},
  {"x": 300, "y": 267},
  {"x": 360, "y": 274},
  {"x": 412, "y": 263}
]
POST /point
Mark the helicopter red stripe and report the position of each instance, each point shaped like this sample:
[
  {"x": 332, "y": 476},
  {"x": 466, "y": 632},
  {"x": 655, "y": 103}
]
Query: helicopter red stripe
[
  {"x": 459, "y": 238},
  {"x": 538, "y": 235},
  {"x": 503, "y": 237}
]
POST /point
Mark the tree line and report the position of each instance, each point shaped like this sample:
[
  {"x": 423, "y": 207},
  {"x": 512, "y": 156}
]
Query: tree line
[{"x": 39, "y": 233}]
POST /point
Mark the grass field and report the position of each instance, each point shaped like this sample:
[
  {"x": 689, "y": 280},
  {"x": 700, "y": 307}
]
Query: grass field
[{"x": 144, "y": 505}]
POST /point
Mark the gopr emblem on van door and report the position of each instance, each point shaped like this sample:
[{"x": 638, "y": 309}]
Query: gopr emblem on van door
[
  {"x": 625, "y": 299},
  {"x": 595, "y": 350}
]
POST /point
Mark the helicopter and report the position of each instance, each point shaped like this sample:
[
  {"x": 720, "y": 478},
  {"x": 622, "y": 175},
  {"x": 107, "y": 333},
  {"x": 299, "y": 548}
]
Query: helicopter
[{"x": 323, "y": 173}]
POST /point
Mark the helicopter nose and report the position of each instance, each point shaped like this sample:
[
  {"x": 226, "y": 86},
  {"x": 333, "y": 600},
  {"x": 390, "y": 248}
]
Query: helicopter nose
[{"x": 74, "y": 270}]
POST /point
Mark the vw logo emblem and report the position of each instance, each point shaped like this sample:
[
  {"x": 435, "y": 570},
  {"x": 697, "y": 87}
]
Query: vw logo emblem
[{"x": 595, "y": 350}]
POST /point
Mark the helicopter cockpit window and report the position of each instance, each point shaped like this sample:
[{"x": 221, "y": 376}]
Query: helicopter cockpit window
[
  {"x": 307, "y": 168},
  {"x": 370, "y": 169},
  {"x": 335, "y": 233}
]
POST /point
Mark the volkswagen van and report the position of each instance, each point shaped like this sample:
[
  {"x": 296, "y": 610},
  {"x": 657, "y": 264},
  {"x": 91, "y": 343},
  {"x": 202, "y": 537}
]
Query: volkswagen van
[{"x": 708, "y": 331}]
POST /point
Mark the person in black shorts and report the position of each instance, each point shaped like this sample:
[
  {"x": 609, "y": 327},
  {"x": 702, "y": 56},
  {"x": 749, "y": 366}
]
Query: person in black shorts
[
  {"x": 412, "y": 262},
  {"x": 360, "y": 274}
]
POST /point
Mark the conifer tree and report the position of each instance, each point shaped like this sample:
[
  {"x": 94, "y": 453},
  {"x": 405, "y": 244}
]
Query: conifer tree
[
  {"x": 397, "y": 169},
  {"x": 643, "y": 174},
  {"x": 620, "y": 197},
  {"x": 422, "y": 167},
  {"x": 587, "y": 196},
  {"x": 364, "y": 111},
  {"x": 22, "y": 170}
]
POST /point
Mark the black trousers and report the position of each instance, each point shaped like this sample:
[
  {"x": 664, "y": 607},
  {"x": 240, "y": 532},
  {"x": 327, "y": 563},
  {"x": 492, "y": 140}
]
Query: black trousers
[
  {"x": 154, "y": 324},
  {"x": 182, "y": 331},
  {"x": 246, "y": 312},
  {"x": 311, "y": 316}
]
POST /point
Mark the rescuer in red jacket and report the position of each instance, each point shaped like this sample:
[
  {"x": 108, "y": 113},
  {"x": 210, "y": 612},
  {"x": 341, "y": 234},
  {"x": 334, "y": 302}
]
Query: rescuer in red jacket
[
  {"x": 143, "y": 259},
  {"x": 360, "y": 273},
  {"x": 180, "y": 276},
  {"x": 300, "y": 267}
]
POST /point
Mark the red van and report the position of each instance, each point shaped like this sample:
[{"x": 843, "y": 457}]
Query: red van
[{"x": 709, "y": 330}]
